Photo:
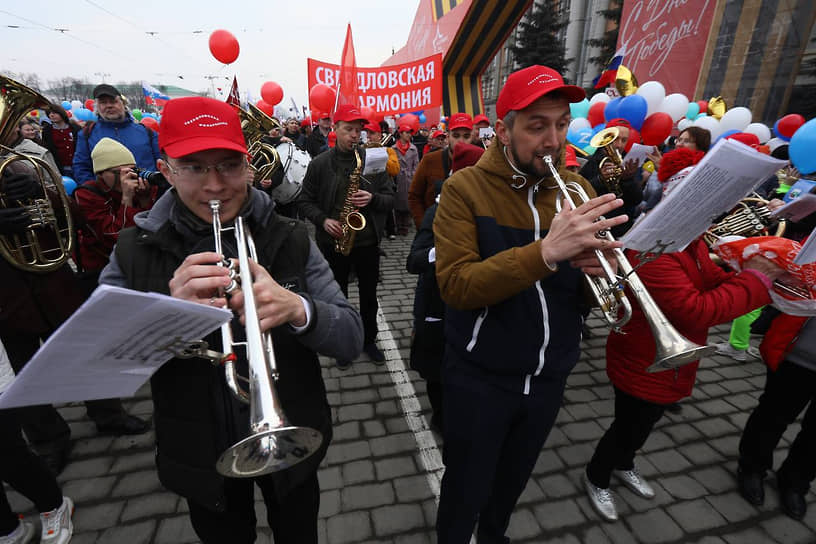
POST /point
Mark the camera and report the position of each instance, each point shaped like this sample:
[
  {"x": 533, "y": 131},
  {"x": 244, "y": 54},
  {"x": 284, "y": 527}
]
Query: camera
[{"x": 150, "y": 176}]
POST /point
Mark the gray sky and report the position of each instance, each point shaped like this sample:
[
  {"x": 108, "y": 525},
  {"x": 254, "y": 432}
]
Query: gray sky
[{"x": 276, "y": 38}]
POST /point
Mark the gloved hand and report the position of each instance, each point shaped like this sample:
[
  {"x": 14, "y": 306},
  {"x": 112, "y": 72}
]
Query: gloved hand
[
  {"x": 20, "y": 187},
  {"x": 14, "y": 220}
]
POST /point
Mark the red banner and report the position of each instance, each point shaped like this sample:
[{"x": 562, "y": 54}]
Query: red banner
[
  {"x": 666, "y": 41},
  {"x": 400, "y": 88}
]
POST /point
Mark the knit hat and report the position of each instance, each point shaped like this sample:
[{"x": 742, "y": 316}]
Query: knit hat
[
  {"x": 676, "y": 160},
  {"x": 465, "y": 155},
  {"x": 108, "y": 153}
]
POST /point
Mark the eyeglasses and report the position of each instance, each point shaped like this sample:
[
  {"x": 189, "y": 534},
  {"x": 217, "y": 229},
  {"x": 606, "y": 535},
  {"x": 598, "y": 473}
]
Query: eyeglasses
[{"x": 231, "y": 168}]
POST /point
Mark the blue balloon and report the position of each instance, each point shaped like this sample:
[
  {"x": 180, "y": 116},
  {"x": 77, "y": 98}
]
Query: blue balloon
[
  {"x": 422, "y": 118},
  {"x": 693, "y": 111},
  {"x": 66, "y": 105},
  {"x": 779, "y": 135},
  {"x": 726, "y": 134},
  {"x": 611, "y": 109},
  {"x": 701, "y": 115},
  {"x": 801, "y": 147},
  {"x": 580, "y": 137},
  {"x": 633, "y": 108},
  {"x": 597, "y": 128},
  {"x": 579, "y": 110},
  {"x": 69, "y": 185}
]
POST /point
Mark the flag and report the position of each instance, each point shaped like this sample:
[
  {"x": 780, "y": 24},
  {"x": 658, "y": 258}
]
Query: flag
[
  {"x": 347, "y": 92},
  {"x": 607, "y": 77},
  {"x": 233, "y": 97},
  {"x": 154, "y": 97}
]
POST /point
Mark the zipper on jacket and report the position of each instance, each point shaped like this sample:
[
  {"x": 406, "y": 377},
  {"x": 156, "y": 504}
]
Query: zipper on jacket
[
  {"x": 476, "y": 327},
  {"x": 531, "y": 194}
]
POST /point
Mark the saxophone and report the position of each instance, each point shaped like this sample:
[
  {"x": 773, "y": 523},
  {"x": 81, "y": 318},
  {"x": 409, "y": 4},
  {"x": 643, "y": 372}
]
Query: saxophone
[{"x": 351, "y": 220}]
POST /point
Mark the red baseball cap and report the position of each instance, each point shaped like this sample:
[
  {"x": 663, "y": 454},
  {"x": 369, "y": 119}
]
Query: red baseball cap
[
  {"x": 481, "y": 119},
  {"x": 527, "y": 85},
  {"x": 306, "y": 123},
  {"x": 372, "y": 127},
  {"x": 746, "y": 138},
  {"x": 569, "y": 157},
  {"x": 406, "y": 128},
  {"x": 438, "y": 134},
  {"x": 196, "y": 123},
  {"x": 460, "y": 120},
  {"x": 348, "y": 113}
]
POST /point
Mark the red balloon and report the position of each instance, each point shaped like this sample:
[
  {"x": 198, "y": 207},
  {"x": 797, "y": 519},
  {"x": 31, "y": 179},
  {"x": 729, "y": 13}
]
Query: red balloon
[
  {"x": 595, "y": 115},
  {"x": 272, "y": 93},
  {"x": 265, "y": 107},
  {"x": 703, "y": 106},
  {"x": 789, "y": 124},
  {"x": 656, "y": 128},
  {"x": 224, "y": 47},
  {"x": 322, "y": 97},
  {"x": 89, "y": 104},
  {"x": 149, "y": 122}
]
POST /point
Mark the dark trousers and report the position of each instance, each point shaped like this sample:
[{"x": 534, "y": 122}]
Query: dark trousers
[
  {"x": 634, "y": 420},
  {"x": 23, "y": 470},
  {"x": 293, "y": 518},
  {"x": 492, "y": 440},
  {"x": 788, "y": 391},
  {"x": 366, "y": 263}
]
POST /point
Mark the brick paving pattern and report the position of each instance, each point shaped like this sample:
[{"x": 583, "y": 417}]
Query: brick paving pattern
[{"x": 375, "y": 480}]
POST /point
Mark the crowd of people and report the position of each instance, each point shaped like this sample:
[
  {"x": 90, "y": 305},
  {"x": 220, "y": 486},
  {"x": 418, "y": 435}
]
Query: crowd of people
[{"x": 497, "y": 265}]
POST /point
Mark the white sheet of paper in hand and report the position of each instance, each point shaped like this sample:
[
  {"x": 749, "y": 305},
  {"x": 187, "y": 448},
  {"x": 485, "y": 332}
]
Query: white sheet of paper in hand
[
  {"x": 638, "y": 153},
  {"x": 728, "y": 172},
  {"x": 375, "y": 160},
  {"x": 807, "y": 254},
  {"x": 797, "y": 209},
  {"x": 110, "y": 346}
]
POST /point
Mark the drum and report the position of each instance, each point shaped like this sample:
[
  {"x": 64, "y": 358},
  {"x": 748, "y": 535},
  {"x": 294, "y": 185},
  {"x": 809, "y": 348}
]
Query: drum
[{"x": 294, "y": 162}]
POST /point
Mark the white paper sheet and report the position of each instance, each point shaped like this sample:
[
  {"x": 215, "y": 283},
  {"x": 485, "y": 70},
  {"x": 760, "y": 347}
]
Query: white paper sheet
[
  {"x": 109, "y": 347},
  {"x": 729, "y": 172},
  {"x": 797, "y": 209},
  {"x": 375, "y": 160},
  {"x": 638, "y": 153},
  {"x": 807, "y": 254}
]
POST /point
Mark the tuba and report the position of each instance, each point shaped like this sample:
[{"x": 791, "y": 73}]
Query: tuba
[
  {"x": 351, "y": 220},
  {"x": 673, "y": 349},
  {"x": 49, "y": 239},
  {"x": 750, "y": 217},
  {"x": 256, "y": 124},
  {"x": 604, "y": 140}
]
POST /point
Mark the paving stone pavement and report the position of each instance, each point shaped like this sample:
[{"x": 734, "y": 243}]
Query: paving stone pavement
[{"x": 378, "y": 485}]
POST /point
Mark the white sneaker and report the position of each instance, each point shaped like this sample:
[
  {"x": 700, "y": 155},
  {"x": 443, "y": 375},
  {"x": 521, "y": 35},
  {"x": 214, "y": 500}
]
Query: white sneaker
[
  {"x": 725, "y": 348},
  {"x": 634, "y": 481},
  {"x": 601, "y": 500},
  {"x": 20, "y": 535},
  {"x": 57, "y": 526}
]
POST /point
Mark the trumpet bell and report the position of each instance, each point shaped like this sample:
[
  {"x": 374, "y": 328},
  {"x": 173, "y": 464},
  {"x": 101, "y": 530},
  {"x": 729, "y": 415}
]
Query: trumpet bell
[
  {"x": 269, "y": 451},
  {"x": 678, "y": 354},
  {"x": 605, "y": 137}
]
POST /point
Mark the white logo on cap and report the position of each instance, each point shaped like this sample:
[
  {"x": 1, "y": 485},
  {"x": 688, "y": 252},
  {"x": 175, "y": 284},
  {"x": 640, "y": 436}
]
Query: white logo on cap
[
  {"x": 543, "y": 78},
  {"x": 208, "y": 117}
]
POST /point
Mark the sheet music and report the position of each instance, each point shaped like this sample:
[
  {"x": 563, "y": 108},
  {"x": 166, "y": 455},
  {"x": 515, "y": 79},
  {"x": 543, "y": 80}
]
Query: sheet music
[
  {"x": 375, "y": 160},
  {"x": 807, "y": 254},
  {"x": 729, "y": 172},
  {"x": 797, "y": 209},
  {"x": 638, "y": 153},
  {"x": 110, "y": 346}
]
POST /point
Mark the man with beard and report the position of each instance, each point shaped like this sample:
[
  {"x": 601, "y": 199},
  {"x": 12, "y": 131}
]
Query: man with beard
[
  {"x": 509, "y": 270},
  {"x": 115, "y": 122}
]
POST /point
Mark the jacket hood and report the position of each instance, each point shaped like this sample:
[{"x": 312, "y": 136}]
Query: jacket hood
[
  {"x": 495, "y": 162},
  {"x": 153, "y": 219}
]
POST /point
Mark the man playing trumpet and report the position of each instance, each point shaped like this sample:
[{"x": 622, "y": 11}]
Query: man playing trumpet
[{"x": 171, "y": 251}]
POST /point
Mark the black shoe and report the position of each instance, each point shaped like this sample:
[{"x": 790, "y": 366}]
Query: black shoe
[
  {"x": 792, "y": 503},
  {"x": 123, "y": 424},
  {"x": 374, "y": 352},
  {"x": 751, "y": 486},
  {"x": 342, "y": 364},
  {"x": 674, "y": 408}
]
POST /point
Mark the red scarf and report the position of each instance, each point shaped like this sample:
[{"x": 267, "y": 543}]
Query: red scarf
[{"x": 403, "y": 147}]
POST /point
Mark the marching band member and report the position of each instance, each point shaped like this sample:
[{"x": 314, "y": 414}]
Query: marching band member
[
  {"x": 171, "y": 251},
  {"x": 502, "y": 263},
  {"x": 321, "y": 202}
]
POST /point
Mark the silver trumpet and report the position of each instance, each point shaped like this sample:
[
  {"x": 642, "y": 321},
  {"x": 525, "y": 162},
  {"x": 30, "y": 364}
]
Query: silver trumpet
[
  {"x": 273, "y": 444},
  {"x": 673, "y": 349}
]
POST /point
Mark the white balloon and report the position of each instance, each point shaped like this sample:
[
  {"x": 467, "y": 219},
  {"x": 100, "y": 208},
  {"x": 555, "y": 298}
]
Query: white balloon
[
  {"x": 676, "y": 105},
  {"x": 710, "y": 124},
  {"x": 579, "y": 123},
  {"x": 683, "y": 124},
  {"x": 760, "y": 130},
  {"x": 735, "y": 119},
  {"x": 654, "y": 93},
  {"x": 76, "y": 104},
  {"x": 600, "y": 97}
]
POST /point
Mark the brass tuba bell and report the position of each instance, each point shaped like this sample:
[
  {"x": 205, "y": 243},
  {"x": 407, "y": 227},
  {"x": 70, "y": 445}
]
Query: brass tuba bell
[
  {"x": 255, "y": 124},
  {"x": 604, "y": 140},
  {"x": 48, "y": 241}
]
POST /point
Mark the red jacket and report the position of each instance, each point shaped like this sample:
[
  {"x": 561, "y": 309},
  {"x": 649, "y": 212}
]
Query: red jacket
[
  {"x": 104, "y": 217},
  {"x": 780, "y": 338},
  {"x": 694, "y": 294}
]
